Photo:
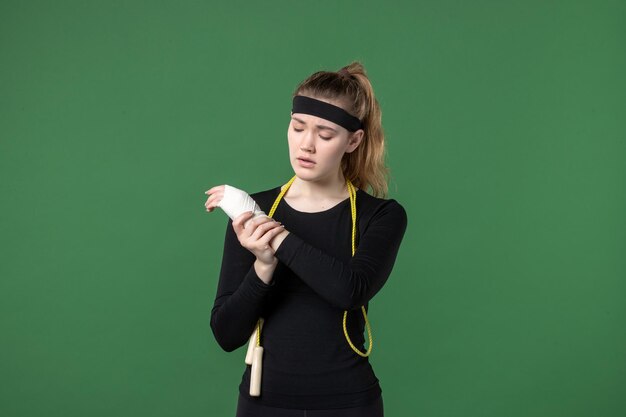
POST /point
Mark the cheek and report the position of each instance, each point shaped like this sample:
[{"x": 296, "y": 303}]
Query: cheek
[
  {"x": 334, "y": 150},
  {"x": 327, "y": 155},
  {"x": 291, "y": 142}
]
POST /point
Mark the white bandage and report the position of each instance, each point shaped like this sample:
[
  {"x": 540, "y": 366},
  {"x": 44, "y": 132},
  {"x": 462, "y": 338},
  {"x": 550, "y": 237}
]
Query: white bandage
[{"x": 235, "y": 202}]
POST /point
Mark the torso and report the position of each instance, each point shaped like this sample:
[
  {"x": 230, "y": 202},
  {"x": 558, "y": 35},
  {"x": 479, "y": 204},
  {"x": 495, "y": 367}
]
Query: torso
[{"x": 307, "y": 362}]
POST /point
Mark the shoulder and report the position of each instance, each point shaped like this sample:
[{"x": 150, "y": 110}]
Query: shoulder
[
  {"x": 368, "y": 203},
  {"x": 370, "y": 208}
]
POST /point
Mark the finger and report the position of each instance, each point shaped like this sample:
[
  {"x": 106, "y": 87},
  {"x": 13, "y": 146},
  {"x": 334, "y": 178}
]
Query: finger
[
  {"x": 269, "y": 235},
  {"x": 213, "y": 200},
  {"x": 251, "y": 224},
  {"x": 214, "y": 189},
  {"x": 216, "y": 196},
  {"x": 239, "y": 221},
  {"x": 261, "y": 220},
  {"x": 262, "y": 226},
  {"x": 211, "y": 203},
  {"x": 265, "y": 228}
]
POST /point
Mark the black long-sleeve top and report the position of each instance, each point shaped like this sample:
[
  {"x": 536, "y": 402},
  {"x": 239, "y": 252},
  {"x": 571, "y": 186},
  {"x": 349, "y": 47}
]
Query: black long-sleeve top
[{"x": 307, "y": 362}]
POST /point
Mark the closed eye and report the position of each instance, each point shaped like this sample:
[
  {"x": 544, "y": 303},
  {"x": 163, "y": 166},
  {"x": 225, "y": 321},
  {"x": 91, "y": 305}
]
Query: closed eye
[{"x": 323, "y": 137}]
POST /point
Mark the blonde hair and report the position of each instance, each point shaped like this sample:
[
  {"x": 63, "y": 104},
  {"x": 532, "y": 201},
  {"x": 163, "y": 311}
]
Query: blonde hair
[{"x": 365, "y": 166}]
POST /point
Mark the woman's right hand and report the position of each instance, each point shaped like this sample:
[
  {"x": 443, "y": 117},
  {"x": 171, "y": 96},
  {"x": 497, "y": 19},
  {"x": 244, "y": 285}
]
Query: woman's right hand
[
  {"x": 215, "y": 196},
  {"x": 256, "y": 236}
]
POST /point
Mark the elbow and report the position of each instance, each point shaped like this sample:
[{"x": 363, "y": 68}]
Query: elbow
[
  {"x": 226, "y": 343},
  {"x": 227, "y": 347},
  {"x": 349, "y": 305},
  {"x": 350, "y": 302},
  {"x": 352, "y": 296}
]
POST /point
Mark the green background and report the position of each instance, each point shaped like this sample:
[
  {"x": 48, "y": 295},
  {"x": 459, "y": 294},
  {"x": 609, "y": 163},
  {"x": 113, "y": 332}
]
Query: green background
[{"x": 506, "y": 128}]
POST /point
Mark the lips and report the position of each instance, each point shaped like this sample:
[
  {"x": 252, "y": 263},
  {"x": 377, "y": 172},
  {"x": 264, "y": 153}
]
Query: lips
[{"x": 306, "y": 163}]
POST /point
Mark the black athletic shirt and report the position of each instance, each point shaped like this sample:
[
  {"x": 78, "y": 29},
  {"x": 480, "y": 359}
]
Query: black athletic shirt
[{"x": 307, "y": 362}]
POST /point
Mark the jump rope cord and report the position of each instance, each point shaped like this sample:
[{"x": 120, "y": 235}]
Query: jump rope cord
[{"x": 352, "y": 192}]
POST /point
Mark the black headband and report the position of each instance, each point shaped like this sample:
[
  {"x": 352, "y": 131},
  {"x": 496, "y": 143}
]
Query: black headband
[{"x": 308, "y": 105}]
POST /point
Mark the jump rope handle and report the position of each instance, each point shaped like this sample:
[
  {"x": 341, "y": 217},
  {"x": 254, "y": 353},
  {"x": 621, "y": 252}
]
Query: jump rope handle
[{"x": 254, "y": 357}]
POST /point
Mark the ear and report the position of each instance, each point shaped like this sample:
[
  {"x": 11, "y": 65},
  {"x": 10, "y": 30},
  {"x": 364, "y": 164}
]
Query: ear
[{"x": 354, "y": 140}]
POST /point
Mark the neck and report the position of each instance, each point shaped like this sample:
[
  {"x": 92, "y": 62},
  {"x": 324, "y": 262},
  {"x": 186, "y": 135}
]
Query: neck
[{"x": 334, "y": 187}]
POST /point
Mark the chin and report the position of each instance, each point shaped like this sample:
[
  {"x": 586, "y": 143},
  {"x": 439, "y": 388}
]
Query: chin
[{"x": 303, "y": 174}]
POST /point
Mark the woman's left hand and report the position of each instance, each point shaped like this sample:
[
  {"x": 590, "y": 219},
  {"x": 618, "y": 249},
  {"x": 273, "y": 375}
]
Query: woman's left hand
[{"x": 256, "y": 235}]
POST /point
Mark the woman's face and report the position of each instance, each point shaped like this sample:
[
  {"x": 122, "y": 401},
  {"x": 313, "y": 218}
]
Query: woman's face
[{"x": 317, "y": 145}]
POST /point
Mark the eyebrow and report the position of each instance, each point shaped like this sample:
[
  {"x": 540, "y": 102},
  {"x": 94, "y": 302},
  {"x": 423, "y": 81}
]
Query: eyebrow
[{"x": 321, "y": 127}]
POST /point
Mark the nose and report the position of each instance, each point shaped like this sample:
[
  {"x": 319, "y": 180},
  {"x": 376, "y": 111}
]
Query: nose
[{"x": 308, "y": 142}]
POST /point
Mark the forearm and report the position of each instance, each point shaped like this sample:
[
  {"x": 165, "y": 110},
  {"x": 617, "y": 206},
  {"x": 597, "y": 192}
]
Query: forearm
[
  {"x": 345, "y": 284},
  {"x": 240, "y": 296},
  {"x": 352, "y": 282},
  {"x": 234, "y": 315}
]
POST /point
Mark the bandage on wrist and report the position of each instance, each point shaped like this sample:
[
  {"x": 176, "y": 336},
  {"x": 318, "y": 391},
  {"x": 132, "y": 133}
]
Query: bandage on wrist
[{"x": 236, "y": 201}]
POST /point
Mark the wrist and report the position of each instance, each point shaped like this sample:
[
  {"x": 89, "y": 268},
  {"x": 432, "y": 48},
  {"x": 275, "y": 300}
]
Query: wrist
[
  {"x": 278, "y": 239},
  {"x": 264, "y": 270}
]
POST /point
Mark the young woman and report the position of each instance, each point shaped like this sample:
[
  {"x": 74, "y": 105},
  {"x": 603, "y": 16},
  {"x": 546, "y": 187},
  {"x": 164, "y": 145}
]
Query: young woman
[{"x": 296, "y": 283}]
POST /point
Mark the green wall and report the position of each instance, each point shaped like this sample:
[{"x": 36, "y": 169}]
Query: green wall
[{"x": 506, "y": 131}]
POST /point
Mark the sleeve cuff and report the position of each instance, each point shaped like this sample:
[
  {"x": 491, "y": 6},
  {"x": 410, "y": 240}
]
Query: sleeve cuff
[
  {"x": 288, "y": 249},
  {"x": 253, "y": 288}
]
